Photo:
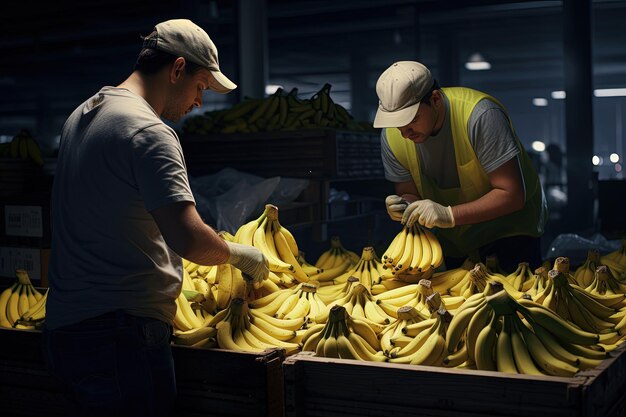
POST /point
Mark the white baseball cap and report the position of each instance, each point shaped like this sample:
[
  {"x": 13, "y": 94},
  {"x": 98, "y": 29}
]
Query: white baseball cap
[
  {"x": 400, "y": 89},
  {"x": 182, "y": 37}
]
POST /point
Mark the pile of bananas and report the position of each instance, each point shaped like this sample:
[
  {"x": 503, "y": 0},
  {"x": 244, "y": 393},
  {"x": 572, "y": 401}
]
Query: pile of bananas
[
  {"x": 413, "y": 254},
  {"x": 22, "y": 146},
  {"x": 334, "y": 262},
  {"x": 21, "y": 305},
  {"x": 496, "y": 332},
  {"x": 279, "y": 111}
]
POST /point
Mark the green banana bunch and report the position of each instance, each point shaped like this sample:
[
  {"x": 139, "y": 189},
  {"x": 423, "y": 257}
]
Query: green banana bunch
[
  {"x": 23, "y": 146},
  {"x": 279, "y": 111}
]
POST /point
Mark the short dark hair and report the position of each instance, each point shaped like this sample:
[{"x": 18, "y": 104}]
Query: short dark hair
[
  {"x": 426, "y": 98},
  {"x": 150, "y": 60}
]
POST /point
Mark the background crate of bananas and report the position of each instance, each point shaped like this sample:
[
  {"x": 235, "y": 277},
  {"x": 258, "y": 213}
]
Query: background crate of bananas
[{"x": 279, "y": 111}]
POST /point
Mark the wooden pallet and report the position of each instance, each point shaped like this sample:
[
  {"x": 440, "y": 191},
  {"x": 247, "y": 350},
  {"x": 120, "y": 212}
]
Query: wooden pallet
[{"x": 324, "y": 387}]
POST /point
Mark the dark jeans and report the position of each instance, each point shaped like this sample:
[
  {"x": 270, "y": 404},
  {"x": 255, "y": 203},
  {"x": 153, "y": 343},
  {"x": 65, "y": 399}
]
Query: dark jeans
[
  {"x": 510, "y": 252},
  {"x": 114, "y": 365}
]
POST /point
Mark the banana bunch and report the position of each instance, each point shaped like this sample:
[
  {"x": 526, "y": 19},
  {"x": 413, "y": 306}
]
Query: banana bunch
[
  {"x": 523, "y": 278},
  {"x": 428, "y": 347},
  {"x": 276, "y": 242},
  {"x": 34, "y": 317},
  {"x": 397, "y": 331},
  {"x": 279, "y": 111},
  {"x": 199, "y": 271},
  {"x": 334, "y": 262},
  {"x": 17, "y": 300},
  {"x": 562, "y": 264},
  {"x": 186, "y": 318},
  {"x": 413, "y": 252},
  {"x": 332, "y": 293},
  {"x": 238, "y": 329},
  {"x": 521, "y": 337},
  {"x": 416, "y": 295},
  {"x": 540, "y": 284},
  {"x": 343, "y": 336},
  {"x": 301, "y": 302},
  {"x": 604, "y": 283},
  {"x": 572, "y": 303},
  {"x": 368, "y": 270},
  {"x": 616, "y": 261},
  {"x": 441, "y": 282},
  {"x": 22, "y": 146},
  {"x": 359, "y": 303},
  {"x": 584, "y": 273},
  {"x": 205, "y": 337},
  {"x": 476, "y": 281},
  {"x": 307, "y": 267}
]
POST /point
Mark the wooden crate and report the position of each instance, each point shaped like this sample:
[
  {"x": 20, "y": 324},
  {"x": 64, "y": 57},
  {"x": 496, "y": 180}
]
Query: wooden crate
[
  {"x": 211, "y": 382},
  {"x": 297, "y": 154},
  {"x": 334, "y": 387},
  {"x": 26, "y": 387},
  {"x": 216, "y": 382}
]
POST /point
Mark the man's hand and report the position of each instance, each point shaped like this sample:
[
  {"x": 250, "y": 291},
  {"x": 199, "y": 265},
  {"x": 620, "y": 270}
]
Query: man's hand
[
  {"x": 249, "y": 260},
  {"x": 428, "y": 214},
  {"x": 395, "y": 206}
]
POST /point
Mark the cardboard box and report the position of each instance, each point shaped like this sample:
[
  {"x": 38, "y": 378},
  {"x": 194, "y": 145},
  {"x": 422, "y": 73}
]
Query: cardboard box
[
  {"x": 26, "y": 220},
  {"x": 33, "y": 260}
]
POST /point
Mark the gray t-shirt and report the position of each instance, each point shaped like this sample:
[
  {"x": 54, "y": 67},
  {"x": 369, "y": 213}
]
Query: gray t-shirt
[
  {"x": 117, "y": 162},
  {"x": 490, "y": 135}
]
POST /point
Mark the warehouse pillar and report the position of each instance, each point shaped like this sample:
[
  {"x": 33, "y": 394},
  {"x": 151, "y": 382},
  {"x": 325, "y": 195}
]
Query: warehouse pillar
[
  {"x": 252, "y": 65},
  {"x": 448, "y": 58},
  {"x": 578, "y": 113},
  {"x": 363, "y": 98}
]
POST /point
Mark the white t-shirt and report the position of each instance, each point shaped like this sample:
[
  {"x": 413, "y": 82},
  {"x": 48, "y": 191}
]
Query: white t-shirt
[
  {"x": 117, "y": 162},
  {"x": 490, "y": 135}
]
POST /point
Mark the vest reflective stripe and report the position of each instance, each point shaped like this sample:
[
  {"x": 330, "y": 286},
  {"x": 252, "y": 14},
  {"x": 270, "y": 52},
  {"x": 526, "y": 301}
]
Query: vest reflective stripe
[{"x": 473, "y": 181}]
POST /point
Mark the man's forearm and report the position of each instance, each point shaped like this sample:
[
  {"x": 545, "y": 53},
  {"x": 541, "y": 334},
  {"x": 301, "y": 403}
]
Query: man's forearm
[{"x": 496, "y": 203}]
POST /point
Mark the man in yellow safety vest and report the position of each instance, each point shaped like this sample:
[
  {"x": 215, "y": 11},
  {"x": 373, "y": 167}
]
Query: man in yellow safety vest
[{"x": 457, "y": 165}]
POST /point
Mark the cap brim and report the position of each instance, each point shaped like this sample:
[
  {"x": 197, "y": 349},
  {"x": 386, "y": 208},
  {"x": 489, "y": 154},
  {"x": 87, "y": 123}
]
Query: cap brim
[
  {"x": 224, "y": 85},
  {"x": 398, "y": 118}
]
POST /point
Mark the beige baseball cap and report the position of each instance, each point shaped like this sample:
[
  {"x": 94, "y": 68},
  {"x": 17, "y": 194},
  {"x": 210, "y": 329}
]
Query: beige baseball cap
[
  {"x": 182, "y": 37},
  {"x": 400, "y": 89}
]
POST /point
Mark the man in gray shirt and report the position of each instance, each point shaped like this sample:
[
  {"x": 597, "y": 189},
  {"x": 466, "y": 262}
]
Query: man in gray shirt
[
  {"x": 123, "y": 216},
  {"x": 458, "y": 166}
]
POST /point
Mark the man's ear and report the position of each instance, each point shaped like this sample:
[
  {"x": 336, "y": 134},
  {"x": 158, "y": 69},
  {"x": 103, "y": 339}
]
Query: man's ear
[{"x": 178, "y": 67}]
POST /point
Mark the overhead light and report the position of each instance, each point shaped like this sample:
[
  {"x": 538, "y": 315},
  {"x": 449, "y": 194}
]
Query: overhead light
[
  {"x": 614, "y": 158},
  {"x": 540, "y": 102},
  {"x": 476, "y": 62},
  {"x": 538, "y": 146},
  {"x": 596, "y": 160},
  {"x": 558, "y": 95},
  {"x": 610, "y": 92},
  {"x": 271, "y": 88}
]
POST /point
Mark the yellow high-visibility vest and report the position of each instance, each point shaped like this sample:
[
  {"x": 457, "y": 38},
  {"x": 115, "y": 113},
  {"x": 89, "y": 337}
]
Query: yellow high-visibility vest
[{"x": 474, "y": 182}]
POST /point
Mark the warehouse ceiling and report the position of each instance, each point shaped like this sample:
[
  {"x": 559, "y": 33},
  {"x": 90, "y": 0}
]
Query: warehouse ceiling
[{"x": 56, "y": 54}]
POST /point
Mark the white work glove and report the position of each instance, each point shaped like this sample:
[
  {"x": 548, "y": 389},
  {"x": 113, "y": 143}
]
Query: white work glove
[
  {"x": 249, "y": 260},
  {"x": 395, "y": 206},
  {"x": 428, "y": 214}
]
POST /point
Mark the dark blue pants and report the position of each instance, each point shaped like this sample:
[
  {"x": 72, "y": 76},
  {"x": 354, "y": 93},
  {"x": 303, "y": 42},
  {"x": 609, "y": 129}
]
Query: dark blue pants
[{"x": 114, "y": 365}]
